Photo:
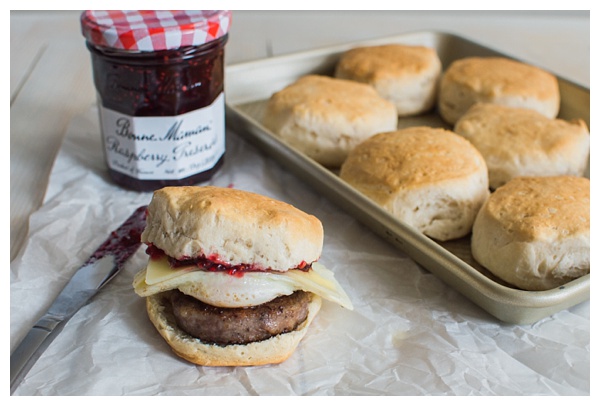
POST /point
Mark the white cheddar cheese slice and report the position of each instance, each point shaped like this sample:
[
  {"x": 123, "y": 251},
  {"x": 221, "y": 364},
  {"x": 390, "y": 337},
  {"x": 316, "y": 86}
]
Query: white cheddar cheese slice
[
  {"x": 159, "y": 270},
  {"x": 247, "y": 289}
]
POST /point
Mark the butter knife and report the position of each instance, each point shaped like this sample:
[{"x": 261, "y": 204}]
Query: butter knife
[{"x": 93, "y": 275}]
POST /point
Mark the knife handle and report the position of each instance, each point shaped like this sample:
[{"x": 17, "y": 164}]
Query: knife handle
[{"x": 31, "y": 348}]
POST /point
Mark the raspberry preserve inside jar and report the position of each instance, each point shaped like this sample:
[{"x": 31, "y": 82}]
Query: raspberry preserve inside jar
[{"x": 162, "y": 110}]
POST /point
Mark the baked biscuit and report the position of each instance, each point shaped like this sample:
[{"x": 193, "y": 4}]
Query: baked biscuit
[
  {"x": 403, "y": 74},
  {"x": 277, "y": 235},
  {"x": 522, "y": 142},
  {"x": 325, "y": 117},
  {"x": 499, "y": 81},
  {"x": 429, "y": 178},
  {"x": 534, "y": 232}
]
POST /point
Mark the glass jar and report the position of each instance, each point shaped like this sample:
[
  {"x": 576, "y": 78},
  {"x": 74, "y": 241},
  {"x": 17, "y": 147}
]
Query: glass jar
[{"x": 159, "y": 80}]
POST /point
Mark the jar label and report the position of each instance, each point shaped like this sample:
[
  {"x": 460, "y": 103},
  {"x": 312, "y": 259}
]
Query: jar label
[{"x": 167, "y": 147}]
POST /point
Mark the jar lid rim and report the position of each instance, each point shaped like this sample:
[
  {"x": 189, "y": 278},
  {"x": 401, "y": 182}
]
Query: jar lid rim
[{"x": 153, "y": 30}]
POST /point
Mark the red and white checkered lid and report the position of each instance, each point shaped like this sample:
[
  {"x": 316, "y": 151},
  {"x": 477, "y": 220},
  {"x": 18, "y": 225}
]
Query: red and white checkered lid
[{"x": 153, "y": 30}]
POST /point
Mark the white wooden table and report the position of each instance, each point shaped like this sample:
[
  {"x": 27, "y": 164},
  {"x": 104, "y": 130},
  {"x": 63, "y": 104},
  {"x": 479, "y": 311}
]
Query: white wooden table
[{"x": 51, "y": 83}]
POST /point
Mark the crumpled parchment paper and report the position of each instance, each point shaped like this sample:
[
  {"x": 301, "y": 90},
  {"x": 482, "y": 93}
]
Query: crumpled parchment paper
[{"x": 410, "y": 334}]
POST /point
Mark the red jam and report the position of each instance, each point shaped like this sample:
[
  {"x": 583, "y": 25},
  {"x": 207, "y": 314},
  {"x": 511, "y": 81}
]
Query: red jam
[
  {"x": 211, "y": 263},
  {"x": 125, "y": 240},
  {"x": 161, "y": 110}
]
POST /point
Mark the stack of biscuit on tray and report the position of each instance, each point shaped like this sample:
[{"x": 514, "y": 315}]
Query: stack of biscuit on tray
[{"x": 503, "y": 170}]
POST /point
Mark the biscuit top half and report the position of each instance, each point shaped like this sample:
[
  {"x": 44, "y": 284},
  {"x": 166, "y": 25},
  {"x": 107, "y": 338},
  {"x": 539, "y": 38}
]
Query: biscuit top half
[
  {"x": 509, "y": 131},
  {"x": 233, "y": 226},
  {"x": 496, "y": 76},
  {"x": 327, "y": 97},
  {"x": 412, "y": 158},
  {"x": 533, "y": 208},
  {"x": 375, "y": 63}
]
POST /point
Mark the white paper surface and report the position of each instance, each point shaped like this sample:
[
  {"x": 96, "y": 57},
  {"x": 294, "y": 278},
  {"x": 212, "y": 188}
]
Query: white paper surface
[{"x": 410, "y": 334}]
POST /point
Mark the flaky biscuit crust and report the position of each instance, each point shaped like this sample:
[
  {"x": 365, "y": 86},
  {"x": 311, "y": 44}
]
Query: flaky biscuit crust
[
  {"x": 403, "y": 74},
  {"x": 523, "y": 142},
  {"x": 430, "y": 178},
  {"x": 534, "y": 232},
  {"x": 499, "y": 81},
  {"x": 232, "y": 226},
  {"x": 325, "y": 117}
]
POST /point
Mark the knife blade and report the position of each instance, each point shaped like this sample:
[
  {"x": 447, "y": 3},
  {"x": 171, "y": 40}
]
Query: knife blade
[{"x": 102, "y": 266}]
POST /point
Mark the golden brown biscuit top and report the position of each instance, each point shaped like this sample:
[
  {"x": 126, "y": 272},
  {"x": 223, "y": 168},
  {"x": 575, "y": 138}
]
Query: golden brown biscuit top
[
  {"x": 327, "y": 97},
  {"x": 495, "y": 129},
  {"x": 228, "y": 201},
  {"x": 534, "y": 208},
  {"x": 374, "y": 63},
  {"x": 495, "y": 76},
  {"x": 236, "y": 225},
  {"x": 411, "y": 158},
  {"x": 227, "y": 204}
]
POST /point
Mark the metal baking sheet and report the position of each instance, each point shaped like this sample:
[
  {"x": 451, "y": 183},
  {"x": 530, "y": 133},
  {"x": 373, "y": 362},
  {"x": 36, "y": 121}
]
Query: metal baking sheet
[{"x": 250, "y": 84}]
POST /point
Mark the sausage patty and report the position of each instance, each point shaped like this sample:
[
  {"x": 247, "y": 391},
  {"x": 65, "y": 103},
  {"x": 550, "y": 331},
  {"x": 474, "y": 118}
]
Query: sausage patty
[{"x": 225, "y": 326}]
